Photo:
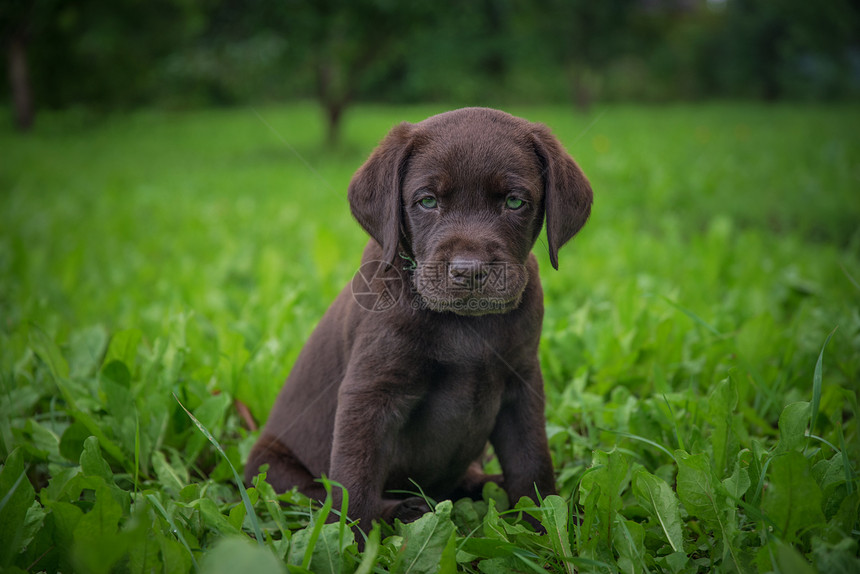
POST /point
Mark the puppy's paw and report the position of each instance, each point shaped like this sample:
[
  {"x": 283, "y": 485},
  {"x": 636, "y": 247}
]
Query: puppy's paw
[{"x": 408, "y": 510}]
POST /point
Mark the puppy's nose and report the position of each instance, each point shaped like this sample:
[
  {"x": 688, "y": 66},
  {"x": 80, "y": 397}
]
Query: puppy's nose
[{"x": 467, "y": 273}]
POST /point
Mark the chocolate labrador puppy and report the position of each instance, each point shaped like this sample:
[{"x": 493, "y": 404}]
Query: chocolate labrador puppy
[{"x": 432, "y": 351}]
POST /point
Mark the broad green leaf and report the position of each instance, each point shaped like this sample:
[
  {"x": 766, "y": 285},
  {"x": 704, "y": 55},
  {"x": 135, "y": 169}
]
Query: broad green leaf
[
  {"x": 721, "y": 407},
  {"x": 495, "y": 492},
  {"x": 92, "y": 462},
  {"x": 777, "y": 556},
  {"x": 237, "y": 515},
  {"x": 93, "y": 427},
  {"x": 64, "y": 516},
  {"x": 843, "y": 521},
  {"x": 86, "y": 348},
  {"x": 697, "y": 489},
  {"x": 738, "y": 483},
  {"x": 174, "y": 556},
  {"x": 43, "y": 439},
  {"x": 114, "y": 381},
  {"x": 72, "y": 441},
  {"x": 661, "y": 503},
  {"x": 424, "y": 541},
  {"x": 213, "y": 516},
  {"x": 237, "y": 554},
  {"x": 16, "y": 497},
  {"x": 674, "y": 563},
  {"x": 830, "y": 476},
  {"x": 172, "y": 478},
  {"x": 232, "y": 359},
  {"x": 144, "y": 552},
  {"x": 33, "y": 522},
  {"x": 116, "y": 371},
  {"x": 792, "y": 426},
  {"x": 467, "y": 514},
  {"x": 629, "y": 541},
  {"x": 448, "y": 561},
  {"x": 495, "y": 526},
  {"x": 611, "y": 475},
  {"x": 49, "y": 352},
  {"x": 838, "y": 558},
  {"x": 322, "y": 545},
  {"x": 555, "y": 520},
  {"x": 123, "y": 348},
  {"x": 98, "y": 542},
  {"x": 488, "y": 547},
  {"x": 792, "y": 499},
  {"x": 590, "y": 519},
  {"x": 210, "y": 413}
]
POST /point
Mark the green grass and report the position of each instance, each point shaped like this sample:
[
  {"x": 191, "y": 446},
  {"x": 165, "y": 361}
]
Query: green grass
[{"x": 698, "y": 419}]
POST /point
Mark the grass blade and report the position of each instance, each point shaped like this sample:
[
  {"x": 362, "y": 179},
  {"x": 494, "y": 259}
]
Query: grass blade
[
  {"x": 249, "y": 508},
  {"x": 641, "y": 439},
  {"x": 12, "y": 490},
  {"x": 696, "y": 319},
  {"x": 677, "y": 428},
  {"x": 846, "y": 463},
  {"x": 816, "y": 383},
  {"x": 318, "y": 524},
  {"x": 136, "y": 452}
]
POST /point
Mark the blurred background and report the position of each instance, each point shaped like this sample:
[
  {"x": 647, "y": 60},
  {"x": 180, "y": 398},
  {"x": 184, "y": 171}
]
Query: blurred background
[{"x": 101, "y": 56}]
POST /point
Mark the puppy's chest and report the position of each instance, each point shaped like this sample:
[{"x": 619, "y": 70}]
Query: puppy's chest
[{"x": 459, "y": 405}]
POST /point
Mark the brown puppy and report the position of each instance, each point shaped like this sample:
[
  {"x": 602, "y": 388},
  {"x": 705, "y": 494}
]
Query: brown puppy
[{"x": 432, "y": 351}]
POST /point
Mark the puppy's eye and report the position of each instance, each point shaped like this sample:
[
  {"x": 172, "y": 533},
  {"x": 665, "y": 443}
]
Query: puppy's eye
[
  {"x": 428, "y": 202},
  {"x": 514, "y": 203}
]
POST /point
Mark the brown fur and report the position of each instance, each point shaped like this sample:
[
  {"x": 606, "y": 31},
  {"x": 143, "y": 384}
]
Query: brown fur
[{"x": 411, "y": 372}]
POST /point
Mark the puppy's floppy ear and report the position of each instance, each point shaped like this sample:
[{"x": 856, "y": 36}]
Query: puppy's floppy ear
[
  {"x": 375, "y": 190},
  {"x": 567, "y": 193}
]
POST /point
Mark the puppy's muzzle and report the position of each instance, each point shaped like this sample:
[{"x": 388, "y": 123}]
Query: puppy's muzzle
[{"x": 468, "y": 274}]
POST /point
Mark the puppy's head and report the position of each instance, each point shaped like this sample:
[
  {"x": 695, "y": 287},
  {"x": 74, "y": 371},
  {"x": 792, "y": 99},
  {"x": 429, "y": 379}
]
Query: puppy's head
[{"x": 465, "y": 194}]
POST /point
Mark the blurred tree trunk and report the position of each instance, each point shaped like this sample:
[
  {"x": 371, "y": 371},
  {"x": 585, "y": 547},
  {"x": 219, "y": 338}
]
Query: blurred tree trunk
[
  {"x": 334, "y": 93},
  {"x": 19, "y": 80},
  {"x": 16, "y": 24},
  {"x": 581, "y": 86}
]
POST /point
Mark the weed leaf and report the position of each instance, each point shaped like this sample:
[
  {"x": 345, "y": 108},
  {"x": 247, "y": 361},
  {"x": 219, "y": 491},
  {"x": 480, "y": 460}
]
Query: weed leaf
[
  {"x": 47, "y": 350},
  {"x": 792, "y": 426},
  {"x": 555, "y": 521},
  {"x": 16, "y": 496},
  {"x": 658, "y": 499},
  {"x": 123, "y": 348},
  {"x": 721, "y": 405},
  {"x": 609, "y": 479},
  {"x": 424, "y": 541},
  {"x": 236, "y": 554},
  {"x": 793, "y": 498},
  {"x": 697, "y": 489},
  {"x": 98, "y": 542}
]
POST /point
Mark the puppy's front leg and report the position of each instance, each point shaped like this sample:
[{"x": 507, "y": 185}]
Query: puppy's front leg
[
  {"x": 368, "y": 421},
  {"x": 519, "y": 439}
]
